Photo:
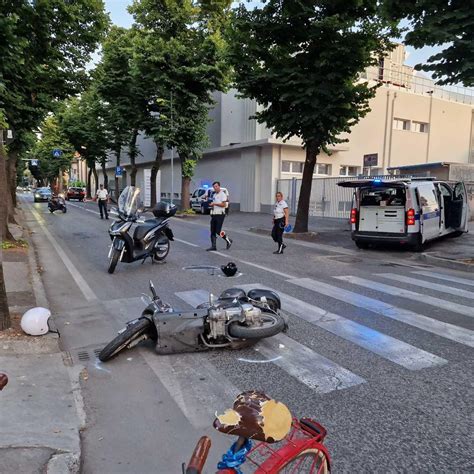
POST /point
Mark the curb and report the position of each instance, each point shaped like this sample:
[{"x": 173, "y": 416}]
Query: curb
[{"x": 447, "y": 263}]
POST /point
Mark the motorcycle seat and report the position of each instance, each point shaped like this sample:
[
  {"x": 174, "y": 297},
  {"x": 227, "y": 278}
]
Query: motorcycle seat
[{"x": 143, "y": 229}]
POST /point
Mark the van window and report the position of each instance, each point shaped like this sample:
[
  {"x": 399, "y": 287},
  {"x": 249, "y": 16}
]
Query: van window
[
  {"x": 427, "y": 196},
  {"x": 201, "y": 192},
  {"x": 382, "y": 196}
]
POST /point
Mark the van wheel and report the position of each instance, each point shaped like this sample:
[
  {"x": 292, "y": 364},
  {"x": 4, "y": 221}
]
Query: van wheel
[
  {"x": 419, "y": 246},
  {"x": 361, "y": 245}
]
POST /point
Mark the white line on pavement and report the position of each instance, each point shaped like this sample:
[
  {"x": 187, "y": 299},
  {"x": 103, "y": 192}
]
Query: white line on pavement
[
  {"x": 429, "y": 285},
  {"x": 86, "y": 290},
  {"x": 411, "y": 295},
  {"x": 440, "y": 328},
  {"x": 442, "y": 276},
  {"x": 374, "y": 341}
]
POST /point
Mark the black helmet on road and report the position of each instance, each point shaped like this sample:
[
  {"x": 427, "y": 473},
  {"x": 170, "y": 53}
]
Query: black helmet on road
[{"x": 230, "y": 269}]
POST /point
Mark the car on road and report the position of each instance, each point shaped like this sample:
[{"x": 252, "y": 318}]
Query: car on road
[
  {"x": 75, "y": 193},
  {"x": 201, "y": 198},
  {"x": 42, "y": 194}
]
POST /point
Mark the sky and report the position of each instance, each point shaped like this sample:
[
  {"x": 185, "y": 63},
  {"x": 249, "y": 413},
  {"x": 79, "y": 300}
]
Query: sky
[{"x": 120, "y": 17}]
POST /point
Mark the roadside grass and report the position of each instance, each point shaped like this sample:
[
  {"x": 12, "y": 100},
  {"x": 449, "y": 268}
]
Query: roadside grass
[{"x": 9, "y": 244}]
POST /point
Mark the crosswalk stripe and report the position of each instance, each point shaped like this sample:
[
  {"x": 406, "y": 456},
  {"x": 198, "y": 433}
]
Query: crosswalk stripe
[
  {"x": 429, "y": 285},
  {"x": 418, "y": 297},
  {"x": 315, "y": 371},
  {"x": 442, "y": 276},
  {"x": 440, "y": 328},
  {"x": 385, "y": 346},
  {"x": 195, "y": 385}
]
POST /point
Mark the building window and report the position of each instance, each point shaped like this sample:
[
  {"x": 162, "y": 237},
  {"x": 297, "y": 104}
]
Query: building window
[
  {"x": 292, "y": 166},
  {"x": 322, "y": 168},
  {"x": 286, "y": 166},
  {"x": 401, "y": 124},
  {"x": 348, "y": 170},
  {"x": 372, "y": 171},
  {"x": 420, "y": 127}
]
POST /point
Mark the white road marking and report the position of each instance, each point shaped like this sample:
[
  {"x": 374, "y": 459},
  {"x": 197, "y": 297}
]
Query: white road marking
[
  {"x": 308, "y": 367},
  {"x": 194, "y": 384},
  {"x": 442, "y": 276},
  {"x": 374, "y": 341},
  {"x": 440, "y": 328},
  {"x": 184, "y": 242},
  {"x": 429, "y": 285},
  {"x": 86, "y": 290},
  {"x": 411, "y": 295}
]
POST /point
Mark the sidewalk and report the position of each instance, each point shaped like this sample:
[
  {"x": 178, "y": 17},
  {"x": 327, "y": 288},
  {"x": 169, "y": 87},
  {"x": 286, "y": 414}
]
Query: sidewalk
[{"x": 40, "y": 423}]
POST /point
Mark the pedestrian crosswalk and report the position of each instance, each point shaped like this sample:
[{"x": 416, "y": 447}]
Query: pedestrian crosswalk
[{"x": 317, "y": 372}]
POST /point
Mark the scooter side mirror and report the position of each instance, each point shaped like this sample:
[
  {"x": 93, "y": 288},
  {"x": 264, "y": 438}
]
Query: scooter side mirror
[{"x": 152, "y": 289}]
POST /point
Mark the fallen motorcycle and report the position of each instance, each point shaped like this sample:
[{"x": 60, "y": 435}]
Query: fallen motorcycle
[
  {"x": 57, "y": 203},
  {"x": 235, "y": 319}
]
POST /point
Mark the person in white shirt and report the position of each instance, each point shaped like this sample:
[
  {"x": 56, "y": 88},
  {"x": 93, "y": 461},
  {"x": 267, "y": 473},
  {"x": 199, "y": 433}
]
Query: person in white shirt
[
  {"x": 102, "y": 197},
  {"x": 218, "y": 206},
  {"x": 280, "y": 221}
]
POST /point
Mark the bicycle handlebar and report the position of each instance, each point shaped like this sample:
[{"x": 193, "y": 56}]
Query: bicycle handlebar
[{"x": 199, "y": 456}]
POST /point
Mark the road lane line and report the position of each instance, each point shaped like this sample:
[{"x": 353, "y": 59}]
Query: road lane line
[
  {"x": 394, "y": 350},
  {"x": 440, "y": 328},
  {"x": 86, "y": 290},
  {"x": 429, "y": 285},
  {"x": 411, "y": 295},
  {"x": 312, "y": 369},
  {"x": 194, "y": 384},
  {"x": 442, "y": 276}
]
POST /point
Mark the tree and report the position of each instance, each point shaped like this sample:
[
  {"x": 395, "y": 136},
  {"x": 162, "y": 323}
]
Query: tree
[
  {"x": 444, "y": 23},
  {"x": 181, "y": 49},
  {"x": 301, "y": 60}
]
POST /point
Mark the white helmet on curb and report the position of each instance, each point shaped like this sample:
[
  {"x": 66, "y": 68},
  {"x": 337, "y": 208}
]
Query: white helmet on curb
[{"x": 35, "y": 321}]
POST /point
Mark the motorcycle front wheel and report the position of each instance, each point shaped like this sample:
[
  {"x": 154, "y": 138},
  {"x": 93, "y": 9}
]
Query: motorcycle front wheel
[
  {"x": 162, "y": 248},
  {"x": 133, "y": 332},
  {"x": 114, "y": 258},
  {"x": 64, "y": 210},
  {"x": 272, "y": 324}
]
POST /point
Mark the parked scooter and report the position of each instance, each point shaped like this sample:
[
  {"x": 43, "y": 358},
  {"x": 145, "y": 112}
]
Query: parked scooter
[
  {"x": 151, "y": 238},
  {"x": 57, "y": 203},
  {"x": 235, "y": 320}
]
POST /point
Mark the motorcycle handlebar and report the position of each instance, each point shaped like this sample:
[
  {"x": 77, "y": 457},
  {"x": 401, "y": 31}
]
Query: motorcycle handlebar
[{"x": 199, "y": 456}]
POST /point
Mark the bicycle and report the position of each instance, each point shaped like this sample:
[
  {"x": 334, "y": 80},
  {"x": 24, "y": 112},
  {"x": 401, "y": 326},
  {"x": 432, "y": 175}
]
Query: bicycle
[{"x": 300, "y": 451}]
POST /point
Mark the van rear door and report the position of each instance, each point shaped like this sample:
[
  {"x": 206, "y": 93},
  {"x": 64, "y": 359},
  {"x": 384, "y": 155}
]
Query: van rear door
[{"x": 460, "y": 207}]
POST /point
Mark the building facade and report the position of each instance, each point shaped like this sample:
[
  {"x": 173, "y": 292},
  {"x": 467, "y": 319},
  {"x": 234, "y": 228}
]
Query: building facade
[{"x": 411, "y": 122}]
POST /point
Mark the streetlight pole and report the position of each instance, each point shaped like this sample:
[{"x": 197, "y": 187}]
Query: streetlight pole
[{"x": 172, "y": 154}]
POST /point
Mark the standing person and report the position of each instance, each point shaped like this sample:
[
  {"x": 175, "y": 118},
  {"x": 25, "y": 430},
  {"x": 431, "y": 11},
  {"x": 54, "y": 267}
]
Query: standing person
[
  {"x": 280, "y": 221},
  {"x": 218, "y": 206},
  {"x": 102, "y": 197}
]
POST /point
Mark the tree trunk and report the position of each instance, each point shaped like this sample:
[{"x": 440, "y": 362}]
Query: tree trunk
[
  {"x": 185, "y": 183},
  {"x": 132, "y": 153},
  {"x": 89, "y": 184},
  {"x": 312, "y": 151},
  {"x": 11, "y": 175},
  {"x": 96, "y": 177},
  {"x": 154, "y": 171},
  {"x": 104, "y": 174},
  {"x": 117, "y": 164},
  {"x": 4, "y": 235}
]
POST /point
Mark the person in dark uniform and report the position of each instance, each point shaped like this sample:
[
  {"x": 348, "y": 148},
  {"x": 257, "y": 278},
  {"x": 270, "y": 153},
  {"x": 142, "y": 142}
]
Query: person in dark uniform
[
  {"x": 218, "y": 207},
  {"x": 280, "y": 221}
]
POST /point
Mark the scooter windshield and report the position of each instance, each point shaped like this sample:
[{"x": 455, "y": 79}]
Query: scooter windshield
[{"x": 129, "y": 201}]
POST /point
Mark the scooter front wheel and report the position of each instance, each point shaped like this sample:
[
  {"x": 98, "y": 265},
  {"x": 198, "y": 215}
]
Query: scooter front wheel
[
  {"x": 64, "y": 210},
  {"x": 114, "y": 258},
  {"x": 124, "y": 339},
  {"x": 162, "y": 248},
  {"x": 272, "y": 324}
]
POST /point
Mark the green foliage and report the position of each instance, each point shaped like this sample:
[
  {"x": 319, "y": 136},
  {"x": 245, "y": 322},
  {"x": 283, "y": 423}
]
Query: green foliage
[
  {"x": 7, "y": 244},
  {"x": 301, "y": 60},
  {"x": 52, "y": 137},
  {"x": 77, "y": 184},
  {"x": 441, "y": 23}
]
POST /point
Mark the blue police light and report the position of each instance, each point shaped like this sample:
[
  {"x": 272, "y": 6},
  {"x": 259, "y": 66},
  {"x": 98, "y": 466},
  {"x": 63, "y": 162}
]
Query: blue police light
[
  {"x": 377, "y": 181},
  {"x": 205, "y": 185}
]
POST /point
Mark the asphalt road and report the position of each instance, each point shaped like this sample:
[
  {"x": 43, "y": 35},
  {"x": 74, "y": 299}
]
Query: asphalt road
[{"x": 379, "y": 348}]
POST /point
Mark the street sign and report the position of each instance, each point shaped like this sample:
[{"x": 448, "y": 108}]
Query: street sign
[
  {"x": 118, "y": 171},
  {"x": 34, "y": 162},
  {"x": 57, "y": 153},
  {"x": 371, "y": 160}
]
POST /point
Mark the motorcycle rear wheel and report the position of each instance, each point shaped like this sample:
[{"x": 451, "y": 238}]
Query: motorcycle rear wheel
[
  {"x": 132, "y": 332},
  {"x": 273, "y": 324},
  {"x": 160, "y": 255},
  {"x": 113, "y": 260}
]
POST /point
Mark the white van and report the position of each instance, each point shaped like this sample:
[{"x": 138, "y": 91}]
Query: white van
[{"x": 406, "y": 211}]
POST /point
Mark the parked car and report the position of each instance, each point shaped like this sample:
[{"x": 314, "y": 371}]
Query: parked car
[
  {"x": 201, "y": 198},
  {"x": 75, "y": 193},
  {"x": 407, "y": 211},
  {"x": 42, "y": 194}
]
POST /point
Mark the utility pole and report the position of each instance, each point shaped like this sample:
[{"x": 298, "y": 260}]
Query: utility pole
[{"x": 172, "y": 154}]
